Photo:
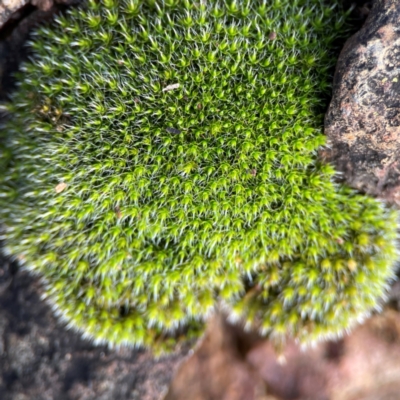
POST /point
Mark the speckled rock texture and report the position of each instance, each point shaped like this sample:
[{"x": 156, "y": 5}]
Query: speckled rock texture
[
  {"x": 8, "y": 7},
  {"x": 363, "y": 120},
  {"x": 11, "y": 9}
]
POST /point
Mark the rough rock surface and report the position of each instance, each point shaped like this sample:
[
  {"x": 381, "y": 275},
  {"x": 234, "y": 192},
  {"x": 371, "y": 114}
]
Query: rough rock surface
[
  {"x": 12, "y": 9},
  {"x": 227, "y": 365},
  {"x": 218, "y": 369},
  {"x": 363, "y": 120},
  {"x": 8, "y": 7}
]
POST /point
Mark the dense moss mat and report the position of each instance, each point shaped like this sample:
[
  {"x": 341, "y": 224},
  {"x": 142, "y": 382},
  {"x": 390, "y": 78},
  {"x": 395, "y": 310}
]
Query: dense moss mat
[{"x": 161, "y": 159}]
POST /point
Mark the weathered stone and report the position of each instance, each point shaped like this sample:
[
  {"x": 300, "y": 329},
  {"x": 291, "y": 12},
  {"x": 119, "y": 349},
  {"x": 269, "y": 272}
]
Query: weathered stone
[
  {"x": 8, "y": 7},
  {"x": 44, "y": 5},
  {"x": 217, "y": 370},
  {"x": 231, "y": 364},
  {"x": 363, "y": 120}
]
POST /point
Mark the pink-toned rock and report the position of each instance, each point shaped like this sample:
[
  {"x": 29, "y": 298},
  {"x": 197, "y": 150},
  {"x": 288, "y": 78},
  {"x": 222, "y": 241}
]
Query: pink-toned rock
[
  {"x": 230, "y": 364},
  {"x": 363, "y": 120},
  {"x": 364, "y": 365},
  {"x": 44, "y": 5},
  {"x": 218, "y": 370}
]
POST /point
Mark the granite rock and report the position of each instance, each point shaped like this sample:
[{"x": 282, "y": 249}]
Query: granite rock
[
  {"x": 8, "y": 8},
  {"x": 363, "y": 119}
]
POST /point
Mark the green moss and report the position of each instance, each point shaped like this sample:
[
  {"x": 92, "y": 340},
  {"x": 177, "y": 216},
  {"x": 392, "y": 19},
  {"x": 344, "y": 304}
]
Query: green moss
[{"x": 162, "y": 161}]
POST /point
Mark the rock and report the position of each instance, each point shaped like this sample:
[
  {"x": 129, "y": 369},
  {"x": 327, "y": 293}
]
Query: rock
[
  {"x": 20, "y": 353},
  {"x": 364, "y": 365},
  {"x": 8, "y": 7},
  {"x": 13, "y": 49},
  {"x": 363, "y": 119},
  {"x": 5, "y": 277},
  {"x": 230, "y": 364},
  {"x": 44, "y": 5},
  {"x": 217, "y": 370},
  {"x": 3, "y": 328}
]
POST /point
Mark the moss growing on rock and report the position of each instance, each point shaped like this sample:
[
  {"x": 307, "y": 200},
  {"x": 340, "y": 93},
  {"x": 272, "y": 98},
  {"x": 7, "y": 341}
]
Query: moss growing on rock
[{"x": 161, "y": 160}]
